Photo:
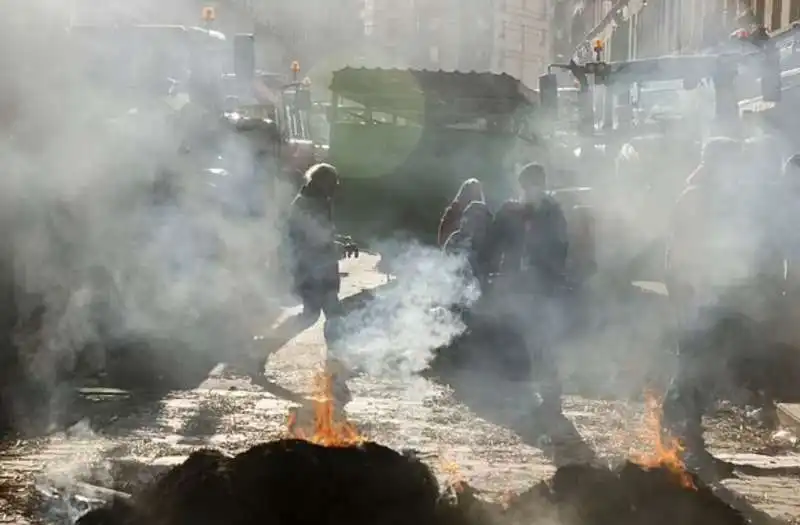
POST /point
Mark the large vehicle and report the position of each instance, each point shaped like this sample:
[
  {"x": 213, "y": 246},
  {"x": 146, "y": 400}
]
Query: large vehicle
[
  {"x": 134, "y": 59},
  {"x": 410, "y": 137},
  {"x": 286, "y": 103},
  {"x": 774, "y": 118},
  {"x": 657, "y": 110},
  {"x": 404, "y": 141},
  {"x": 153, "y": 88},
  {"x": 152, "y": 95},
  {"x": 292, "y": 113},
  {"x": 751, "y": 52},
  {"x": 184, "y": 79},
  {"x": 759, "y": 304},
  {"x": 156, "y": 94}
]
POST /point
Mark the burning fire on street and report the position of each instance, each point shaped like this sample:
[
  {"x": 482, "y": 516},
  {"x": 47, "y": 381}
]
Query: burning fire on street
[
  {"x": 327, "y": 429},
  {"x": 455, "y": 478},
  {"x": 666, "y": 450},
  {"x": 361, "y": 482}
]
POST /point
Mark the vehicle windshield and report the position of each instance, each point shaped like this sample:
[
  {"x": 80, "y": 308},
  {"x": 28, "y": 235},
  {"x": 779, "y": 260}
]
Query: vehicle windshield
[
  {"x": 669, "y": 100},
  {"x": 659, "y": 97}
]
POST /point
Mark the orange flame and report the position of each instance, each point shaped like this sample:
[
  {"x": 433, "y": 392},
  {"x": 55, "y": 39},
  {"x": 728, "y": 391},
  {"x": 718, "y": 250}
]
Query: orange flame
[
  {"x": 327, "y": 430},
  {"x": 667, "y": 452},
  {"x": 455, "y": 478}
]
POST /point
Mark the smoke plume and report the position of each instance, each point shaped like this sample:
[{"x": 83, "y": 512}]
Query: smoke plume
[{"x": 394, "y": 335}]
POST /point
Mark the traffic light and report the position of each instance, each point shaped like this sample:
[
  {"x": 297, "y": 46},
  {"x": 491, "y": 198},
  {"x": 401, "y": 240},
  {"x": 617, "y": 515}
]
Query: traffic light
[
  {"x": 548, "y": 93},
  {"x": 244, "y": 57}
]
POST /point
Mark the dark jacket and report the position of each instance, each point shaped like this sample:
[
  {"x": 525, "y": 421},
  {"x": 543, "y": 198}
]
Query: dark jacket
[
  {"x": 312, "y": 238},
  {"x": 471, "y": 240},
  {"x": 530, "y": 240}
]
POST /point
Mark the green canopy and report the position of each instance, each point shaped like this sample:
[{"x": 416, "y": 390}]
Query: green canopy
[{"x": 404, "y": 92}]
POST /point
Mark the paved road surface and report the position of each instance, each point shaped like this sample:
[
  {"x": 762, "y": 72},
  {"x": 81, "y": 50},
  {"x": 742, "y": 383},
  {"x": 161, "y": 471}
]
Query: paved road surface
[{"x": 417, "y": 414}]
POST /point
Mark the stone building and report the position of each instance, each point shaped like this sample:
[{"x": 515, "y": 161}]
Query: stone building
[
  {"x": 645, "y": 28},
  {"x": 502, "y": 36}
]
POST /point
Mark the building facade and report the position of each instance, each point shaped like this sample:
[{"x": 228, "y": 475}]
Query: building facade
[
  {"x": 394, "y": 32},
  {"x": 502, "y": 36},
  {"x": 311, "y": 32},
  {"x": 645, "y": 28},
  {"x": 230, "y": 15},
  {"x": 522, "y": 39},
  {"x": 777, "y": 15}
]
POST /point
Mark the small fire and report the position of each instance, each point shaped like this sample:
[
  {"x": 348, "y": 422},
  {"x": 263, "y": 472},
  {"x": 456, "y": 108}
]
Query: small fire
[
  {"x": 327, "y": 430},
  {"x": 666, "y": 454},
  {"x": 455, "y": 478}
]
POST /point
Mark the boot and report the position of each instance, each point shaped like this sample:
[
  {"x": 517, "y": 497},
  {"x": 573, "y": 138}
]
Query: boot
[
  {"x": 341, "y": 392},
  {"x": 683, "y": 422},
  {"x": 707, "y": 467}
]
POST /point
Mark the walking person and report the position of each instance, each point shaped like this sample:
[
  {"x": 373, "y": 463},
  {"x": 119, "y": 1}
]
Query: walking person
[
  {"x": 709, "y": 255},
  {"x": 529, "y": 248},
  {"x": 470, "y": 191},
  {"x": 471, "y": 241},
  {"x": 314, "y": 255}
]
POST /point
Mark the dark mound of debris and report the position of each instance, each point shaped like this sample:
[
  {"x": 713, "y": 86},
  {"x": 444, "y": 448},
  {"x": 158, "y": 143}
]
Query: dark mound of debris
[
  {"x": 292, "y": 482},
  {"x": 284, "y": 482},
  {"x": 628, "y": 495}
]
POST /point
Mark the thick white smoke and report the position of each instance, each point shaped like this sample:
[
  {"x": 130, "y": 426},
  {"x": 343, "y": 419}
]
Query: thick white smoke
[
  {"x": 78, "y": 167},
  {"x": 394, "y": 335},
  {"x": 84, "y": 230}
]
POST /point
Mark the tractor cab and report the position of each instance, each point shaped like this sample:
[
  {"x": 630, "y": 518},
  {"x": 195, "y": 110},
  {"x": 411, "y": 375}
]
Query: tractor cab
[
  {"x": 285, "y": 103},
  {"x": 616, "y": 96},
  {"x": 264, "y": 134},
  {"x": 650, "y": 116},
  {"x": 684, "y": 99}
]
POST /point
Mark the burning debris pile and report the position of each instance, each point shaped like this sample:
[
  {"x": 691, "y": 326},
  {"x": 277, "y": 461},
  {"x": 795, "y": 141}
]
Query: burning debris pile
[
  {"x": 629, "y": 494},
  {"x": 294, "y": 481},
  {"x": 333, "y": 475},
  {"x": 286, "y": 481}
]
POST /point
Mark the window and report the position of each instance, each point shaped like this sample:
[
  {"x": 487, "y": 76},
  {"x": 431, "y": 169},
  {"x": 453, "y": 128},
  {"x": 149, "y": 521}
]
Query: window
[
  {"x": 794, "y": 11},
  {"x": 777, "y": 12},
  {"x": 537, "y": 8},
  {"x": 392, "y": 29},
  {"x": 534, "y": 39},
  {"x": 759, "y": 11},
  {"x": 433, "y": 54},
  {"x": 536, "y": 66},
  {"x": 513, "y": 37}
]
